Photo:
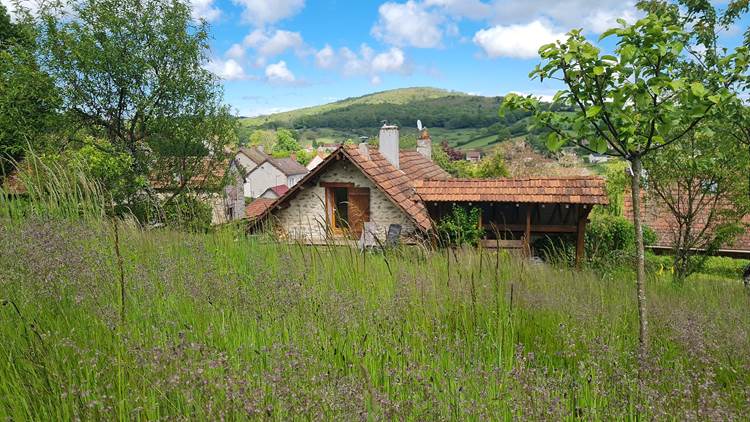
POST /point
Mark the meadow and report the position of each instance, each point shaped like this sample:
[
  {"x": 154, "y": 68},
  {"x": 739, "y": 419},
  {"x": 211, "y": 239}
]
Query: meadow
[
  {"x": 101, "y": 319},
  {"x": 224, "y": 326}
]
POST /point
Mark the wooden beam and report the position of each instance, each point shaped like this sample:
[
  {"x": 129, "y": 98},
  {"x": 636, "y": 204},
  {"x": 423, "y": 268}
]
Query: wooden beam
[
  {"x": 336, "y": 185},
  {"x": 527, "y": 231},
  {"x": 539, "y": 228},
  {"x": 581, "y": 237}
]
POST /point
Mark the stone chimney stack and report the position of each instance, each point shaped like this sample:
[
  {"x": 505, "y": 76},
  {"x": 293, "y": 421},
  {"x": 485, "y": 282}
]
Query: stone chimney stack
[
  {"x": 388, "y": 139},
  {"x": 424, "y": 144}
]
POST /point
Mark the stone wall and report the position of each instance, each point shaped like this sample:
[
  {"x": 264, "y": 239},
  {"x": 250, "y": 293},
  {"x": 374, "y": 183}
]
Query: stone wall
[{"x": 305, "y": 218}]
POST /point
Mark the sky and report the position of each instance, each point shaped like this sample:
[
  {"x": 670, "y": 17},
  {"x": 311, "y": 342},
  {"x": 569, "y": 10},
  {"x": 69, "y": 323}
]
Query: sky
[{"x": 277, "y": 55}]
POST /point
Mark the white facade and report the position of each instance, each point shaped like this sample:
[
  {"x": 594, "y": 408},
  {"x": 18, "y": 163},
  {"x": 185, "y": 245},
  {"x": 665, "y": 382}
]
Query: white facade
[{"x": 267, "y": 176}]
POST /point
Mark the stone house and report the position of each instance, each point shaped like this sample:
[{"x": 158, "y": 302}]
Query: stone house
[
  {"x": 358, "y": 184},
  {"x": 353, "y": 186}
]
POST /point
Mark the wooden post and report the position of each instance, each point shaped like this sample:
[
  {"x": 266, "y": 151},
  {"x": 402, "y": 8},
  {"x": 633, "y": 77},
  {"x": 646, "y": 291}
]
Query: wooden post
[
  {"x": 580, "y": 241},
  {"x": 527, "y": 232}
]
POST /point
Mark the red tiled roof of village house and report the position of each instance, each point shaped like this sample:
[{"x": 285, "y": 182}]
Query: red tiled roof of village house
[
  {"x": 258, "y": 207},
  {"x": 397, "y": 184},
  {"x": 656, "y": 216},
  {"x": 418, "y": 167},
  {"x": 280, "y": 190},
  {"x": 549, "y": 190}
]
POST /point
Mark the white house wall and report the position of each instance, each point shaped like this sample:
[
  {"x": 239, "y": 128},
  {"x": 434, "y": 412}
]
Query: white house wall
[
  {"x": 263, "y": 177},
  {"x": 305, "y": 218}
]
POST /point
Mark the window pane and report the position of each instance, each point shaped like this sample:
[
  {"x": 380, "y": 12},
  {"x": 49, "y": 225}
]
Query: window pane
[{"x": 341, "y": 201}]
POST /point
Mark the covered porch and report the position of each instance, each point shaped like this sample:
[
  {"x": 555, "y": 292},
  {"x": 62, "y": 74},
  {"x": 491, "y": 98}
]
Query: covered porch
[{"x": 517, "y": 212}]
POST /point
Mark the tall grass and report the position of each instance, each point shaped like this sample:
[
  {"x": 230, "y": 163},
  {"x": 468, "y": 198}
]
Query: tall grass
[{"x": 222, "y": 326}]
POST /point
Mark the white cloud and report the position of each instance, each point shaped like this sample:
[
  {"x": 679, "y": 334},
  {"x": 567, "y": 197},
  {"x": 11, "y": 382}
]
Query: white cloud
[
  {"x": 279, "y": 73},
  {"x": 517, "y": 41},
  {"x": 409, "y": 24},
  {"x": 261, "y": 12},
  {"x": 325, "y": 58},
  {"x": 267, "y": 45},
  {"x": 275, "y": 44},
  {"x": 236, "y": 51},
  {"x": 204, "y": 9},
  {"x": 390, "y": 61},
  {"x": 228, "y": 70},
  {"x": 591, "y": 15}
]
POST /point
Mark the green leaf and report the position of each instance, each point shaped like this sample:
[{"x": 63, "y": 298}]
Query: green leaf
[
  {"x": 593, "y": 111},
  {"x": 627, "y": 52},
  {"x": 677, "y": 84},
  {"x": 598, "y": 70},
  {"x": 716, "y": 99},
  {"x": 608, "y": 33},
  {"x": 697, "y": 89},
  {"x": 554, "y": 142}
]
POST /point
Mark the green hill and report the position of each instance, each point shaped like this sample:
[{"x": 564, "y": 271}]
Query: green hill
[{"x": 462, "y": 120}]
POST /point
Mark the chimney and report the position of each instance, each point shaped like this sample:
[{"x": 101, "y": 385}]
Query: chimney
[
  {"x": 261, "y": 148},
  {"x": 424, "y": 144},
  {"x": 364, "y": 150},
  {"x": 293, "y": 156},
  {"x": 389, "y": 143}
]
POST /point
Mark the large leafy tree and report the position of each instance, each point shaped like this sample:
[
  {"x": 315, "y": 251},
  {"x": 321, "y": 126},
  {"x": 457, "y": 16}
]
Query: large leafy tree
[
  {"x": 132, "y": 73},
  {"x": 28, "y": 97},
  {"x": 626, "y": 104}
]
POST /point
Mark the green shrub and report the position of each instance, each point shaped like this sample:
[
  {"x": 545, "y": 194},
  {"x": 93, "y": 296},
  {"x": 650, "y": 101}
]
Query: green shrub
[
  {"x": 187, "y": 213},
  {"x": 610, "y": 238},
  {"x": 460, "y": 227}
]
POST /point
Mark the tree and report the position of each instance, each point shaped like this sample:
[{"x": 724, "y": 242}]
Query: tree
[
  {"x": 28, "y": 97},
  {"x": 697, "y": 182},
  {"x": 286, "y": 142},
  {"x": 132, "y": 73},
  {"x": 491, "y": 167},
  {"x": 628, "y": 104}
]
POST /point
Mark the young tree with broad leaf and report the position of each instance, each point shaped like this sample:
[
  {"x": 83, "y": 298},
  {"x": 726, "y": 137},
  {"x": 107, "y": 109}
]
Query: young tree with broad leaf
[
  {"x": 626, "y": 104},
  {"x": 694, "y": 184}
]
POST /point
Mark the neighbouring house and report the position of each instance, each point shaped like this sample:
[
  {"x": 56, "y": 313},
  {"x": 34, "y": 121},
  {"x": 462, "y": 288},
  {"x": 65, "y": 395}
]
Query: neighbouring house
[
  {"x": 275, "y": 192},
  {"x": 474, "y": 156},
  {"x": 358, "y": 184},
  {"x": 218, "y": 183},
  {"x": 328, "y": 148},
  {"x": 657, "y": 217},
  {"x": 598, "y": 158},
  {"x": 273, "y": 172},
  {"x": 316, "y": 160}
]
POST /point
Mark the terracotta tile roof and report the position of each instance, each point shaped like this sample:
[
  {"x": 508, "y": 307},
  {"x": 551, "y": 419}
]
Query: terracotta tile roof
[
  {"x": 280, "y": 190},
  {"x": 258, "y": 207},
  {"x": 656, "y": 216},
  {"x": 418, "y": 167},
  {"x": 558, "y": 190},
  {"x": 394, "y": 183}
]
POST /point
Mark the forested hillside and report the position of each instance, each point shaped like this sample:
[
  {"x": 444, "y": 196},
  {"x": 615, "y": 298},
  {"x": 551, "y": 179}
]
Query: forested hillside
[{"x": 463, "y": 120}]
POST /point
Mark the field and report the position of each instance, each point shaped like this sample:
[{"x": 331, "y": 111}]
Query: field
[{"x": 222, "y": 326}]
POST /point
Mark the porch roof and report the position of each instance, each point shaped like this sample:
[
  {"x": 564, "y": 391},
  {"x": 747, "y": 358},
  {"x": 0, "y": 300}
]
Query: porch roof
[{"x": 587, "y": 190}]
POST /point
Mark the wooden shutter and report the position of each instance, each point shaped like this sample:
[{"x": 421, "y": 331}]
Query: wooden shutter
[{"x": 359, "y": 209}]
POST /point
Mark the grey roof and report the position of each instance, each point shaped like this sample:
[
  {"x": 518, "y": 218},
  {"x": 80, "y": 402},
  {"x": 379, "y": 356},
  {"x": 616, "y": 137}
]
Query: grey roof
[
  {"x": 288, "y": 166},
  {"x": 255, "y": 154}
]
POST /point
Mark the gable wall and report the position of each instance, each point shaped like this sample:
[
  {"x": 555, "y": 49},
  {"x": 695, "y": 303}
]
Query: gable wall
[
  {"x": 263, "y": 177},
  {"x": 305, "y": 218}
]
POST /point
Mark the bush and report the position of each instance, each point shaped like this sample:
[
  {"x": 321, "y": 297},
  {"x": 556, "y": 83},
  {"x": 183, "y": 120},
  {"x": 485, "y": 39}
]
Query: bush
[
  {"x": 610, "y": 237},
  {"x": 188, "y": 213},
  {"x": 460, "y": 227}
]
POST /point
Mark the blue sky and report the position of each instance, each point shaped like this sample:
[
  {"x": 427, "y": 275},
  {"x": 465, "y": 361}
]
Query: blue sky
[{"x": 276, "y": 55}]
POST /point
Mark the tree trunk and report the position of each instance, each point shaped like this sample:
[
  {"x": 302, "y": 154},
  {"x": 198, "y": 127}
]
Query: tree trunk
[{"x": 640, "y": 255}]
